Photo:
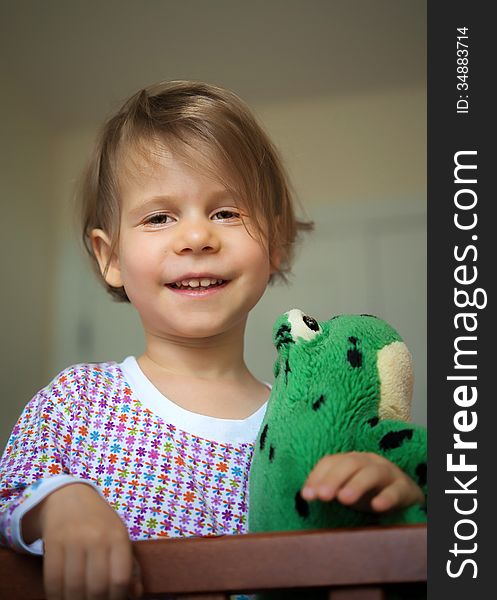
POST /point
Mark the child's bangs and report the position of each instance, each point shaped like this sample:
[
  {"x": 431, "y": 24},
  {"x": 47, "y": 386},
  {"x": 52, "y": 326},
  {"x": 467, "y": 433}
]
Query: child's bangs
[{"x": 141, "y": 152}]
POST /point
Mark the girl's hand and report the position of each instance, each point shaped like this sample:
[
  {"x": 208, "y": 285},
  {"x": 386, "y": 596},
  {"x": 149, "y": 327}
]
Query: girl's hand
[
  {"x": 363, "y": 480},
  {"x": 88, "y": 553}
]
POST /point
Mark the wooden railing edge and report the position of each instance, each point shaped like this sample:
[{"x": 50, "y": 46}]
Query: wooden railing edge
[{"x": 264, "y": 561}]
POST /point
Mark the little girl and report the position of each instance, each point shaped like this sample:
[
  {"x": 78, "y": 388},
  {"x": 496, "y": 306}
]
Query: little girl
[{"x": 186, "y": 213}]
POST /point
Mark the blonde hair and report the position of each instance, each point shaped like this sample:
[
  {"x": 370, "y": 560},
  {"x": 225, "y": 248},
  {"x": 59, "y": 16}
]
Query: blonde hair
[{"x": 189, "y": 117}]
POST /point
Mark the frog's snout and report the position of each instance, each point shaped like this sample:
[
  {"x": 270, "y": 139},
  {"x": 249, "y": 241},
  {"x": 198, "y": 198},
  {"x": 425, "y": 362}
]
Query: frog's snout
[{"x": 296, "y": 325}]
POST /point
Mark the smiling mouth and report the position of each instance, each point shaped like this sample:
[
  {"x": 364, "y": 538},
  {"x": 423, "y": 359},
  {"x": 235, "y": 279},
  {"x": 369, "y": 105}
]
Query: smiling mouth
[{"x": 197, "y": 284}]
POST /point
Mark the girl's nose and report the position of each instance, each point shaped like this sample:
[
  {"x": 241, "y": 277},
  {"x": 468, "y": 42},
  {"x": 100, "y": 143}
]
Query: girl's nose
[{"x": 196, "y": 236}]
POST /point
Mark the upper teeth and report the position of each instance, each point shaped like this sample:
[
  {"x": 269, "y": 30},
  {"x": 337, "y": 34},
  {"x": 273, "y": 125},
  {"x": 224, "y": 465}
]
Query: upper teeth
[{"x": 196, "y": 282}]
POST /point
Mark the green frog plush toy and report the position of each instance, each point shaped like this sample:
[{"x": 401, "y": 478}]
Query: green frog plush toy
[{"x": 341, "y": 385}]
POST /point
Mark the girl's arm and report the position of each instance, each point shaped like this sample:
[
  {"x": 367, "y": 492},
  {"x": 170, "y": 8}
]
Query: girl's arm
[
  {"x": 35, "y": 463},
  {"x": 44, "y": 509}
]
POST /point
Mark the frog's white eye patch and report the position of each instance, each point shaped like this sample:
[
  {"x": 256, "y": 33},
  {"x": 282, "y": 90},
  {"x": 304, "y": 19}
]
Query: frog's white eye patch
[{"x": 302, "y": 326}]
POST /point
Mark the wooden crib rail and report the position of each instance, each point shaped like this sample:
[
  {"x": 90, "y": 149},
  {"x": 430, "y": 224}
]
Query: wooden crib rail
[{"x": 353, "y": 564}]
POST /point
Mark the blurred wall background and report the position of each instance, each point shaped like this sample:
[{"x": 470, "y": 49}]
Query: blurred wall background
[{"x": 340, "y": 86}]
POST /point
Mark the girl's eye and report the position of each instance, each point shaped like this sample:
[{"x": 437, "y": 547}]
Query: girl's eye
[
  {"x": 225, "y": 215},
  {"x": 159, "y": 219}
]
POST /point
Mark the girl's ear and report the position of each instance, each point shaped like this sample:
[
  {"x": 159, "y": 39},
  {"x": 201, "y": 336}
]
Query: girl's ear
[{"x": 108, "y": 261}]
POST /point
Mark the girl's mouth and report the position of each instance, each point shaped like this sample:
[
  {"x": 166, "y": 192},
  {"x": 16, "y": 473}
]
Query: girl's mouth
[{"x": 197, "y": 287}]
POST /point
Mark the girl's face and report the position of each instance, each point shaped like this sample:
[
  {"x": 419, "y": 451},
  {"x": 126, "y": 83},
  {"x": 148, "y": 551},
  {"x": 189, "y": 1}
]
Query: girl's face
[{"x": 185, "y": 258}]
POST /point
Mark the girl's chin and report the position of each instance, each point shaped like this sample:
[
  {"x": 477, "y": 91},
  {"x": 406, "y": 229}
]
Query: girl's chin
[{"x": 201, "y": 331}]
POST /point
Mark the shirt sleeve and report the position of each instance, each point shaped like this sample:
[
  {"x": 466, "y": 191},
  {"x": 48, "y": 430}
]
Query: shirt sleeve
[{"x": 36, "y": 462}]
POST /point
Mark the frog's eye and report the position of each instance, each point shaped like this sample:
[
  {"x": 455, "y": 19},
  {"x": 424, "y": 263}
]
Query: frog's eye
[
  {"x": 311, "y": 323},
  {"x": 302, "y": 326}
]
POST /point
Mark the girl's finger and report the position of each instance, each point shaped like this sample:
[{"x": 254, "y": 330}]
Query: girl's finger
[
  {"x": 391, "y": 496},
  {"x": 120, "y": 570},
  {"x": 53, "y": 571},
  {"x": 402, "y": 492},
  {"x": 74, "y": 573},
  {"x": 97, "y": 577},
  {"x": 330, "y": 474},
  {"x": 365, "y": 480}
]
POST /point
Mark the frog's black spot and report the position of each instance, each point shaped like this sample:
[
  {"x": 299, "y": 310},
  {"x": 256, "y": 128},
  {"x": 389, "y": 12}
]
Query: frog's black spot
[
  {"x": 421, "y": 473},
  {"x": 301, "y": 506},
  {"x": 394, "y": 439},
  {"x": 354, "y": 356},
  {"x": 311, "y": 323},
  {"x": 424, "y": 507},
  {"x": 283, "y": 336},
  {"x": 317, "y": 405},
  {"x": 284, "y": 330},
  {"x": 366, "y": 315},
  {"x": 373, "y": 421},
  {"x": 287, "y": 370},
  {"x": 262, "y": 439},
  {"x": 271, "y": 453},
  {"x": 374, "y": 519}
]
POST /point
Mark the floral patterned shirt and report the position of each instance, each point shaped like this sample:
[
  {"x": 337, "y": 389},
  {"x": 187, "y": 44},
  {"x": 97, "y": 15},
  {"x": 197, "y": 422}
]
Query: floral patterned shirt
[{"x": 167, "y": 472}]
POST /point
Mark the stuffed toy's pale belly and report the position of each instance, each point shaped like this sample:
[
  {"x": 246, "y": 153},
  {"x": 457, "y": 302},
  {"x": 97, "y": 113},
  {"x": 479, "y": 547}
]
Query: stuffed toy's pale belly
[{"x": 341, "y": 385}]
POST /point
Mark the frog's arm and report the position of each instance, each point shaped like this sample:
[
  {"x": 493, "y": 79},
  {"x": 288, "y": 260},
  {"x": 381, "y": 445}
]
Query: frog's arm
[
  {"x": 402, "y": 443},
  {"x": 390, "y": 433}
]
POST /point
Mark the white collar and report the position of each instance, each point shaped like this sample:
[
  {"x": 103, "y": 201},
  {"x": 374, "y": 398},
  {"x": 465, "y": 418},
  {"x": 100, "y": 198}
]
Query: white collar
[{"x": 227, "y": 431}]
